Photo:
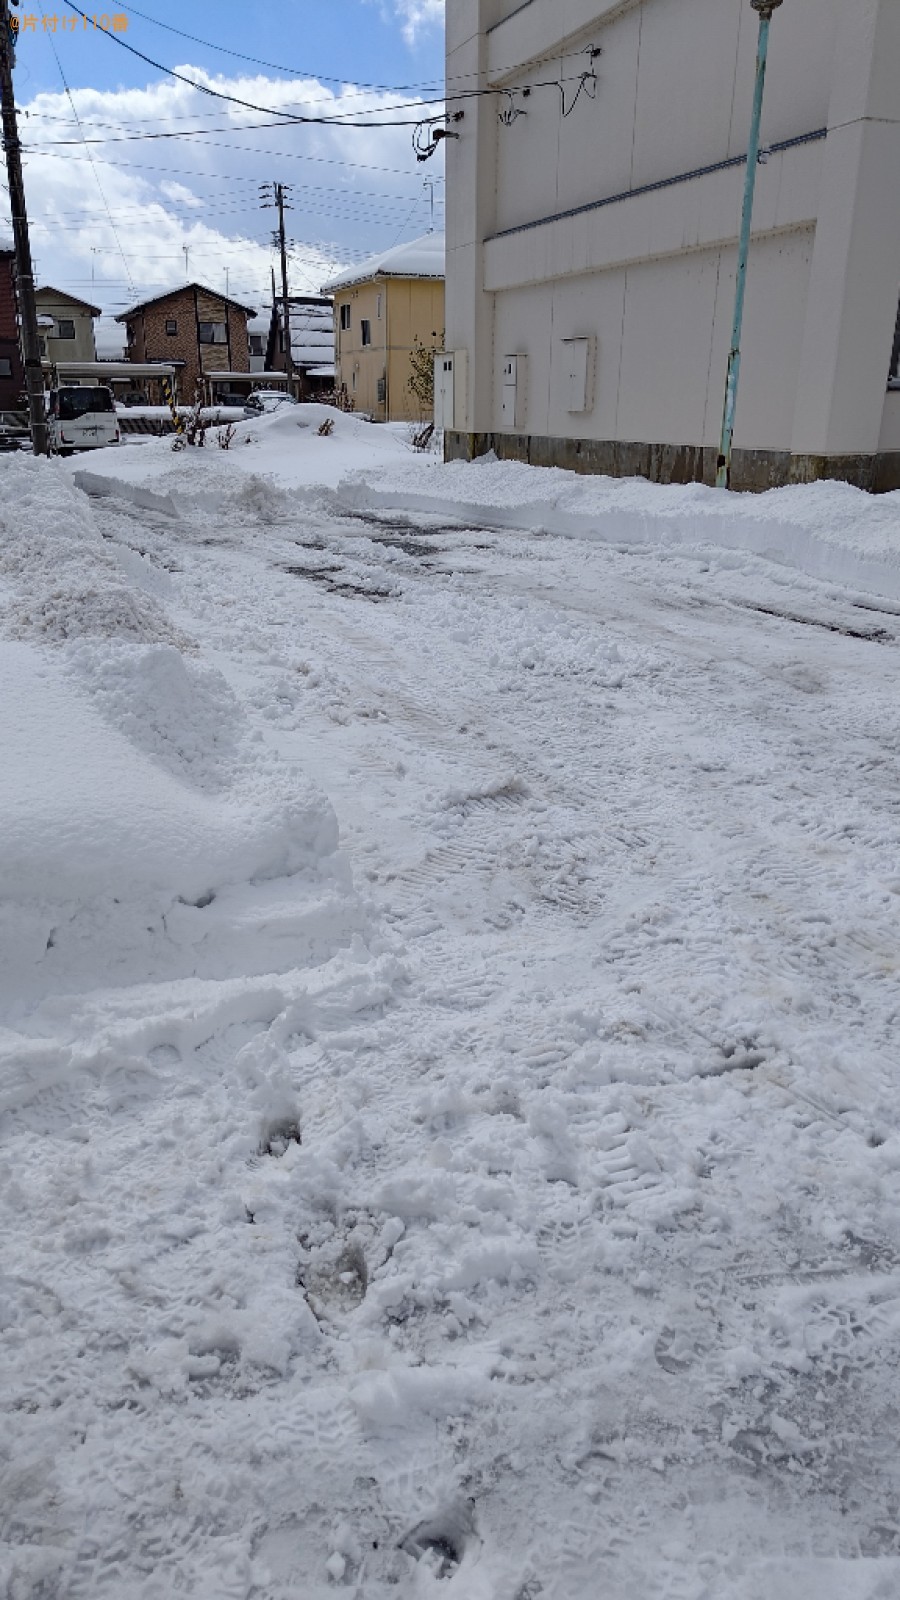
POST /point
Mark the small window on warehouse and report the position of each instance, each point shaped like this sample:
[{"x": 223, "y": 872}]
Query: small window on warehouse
[
  {"x": 365, "y": 331},
  {"x": 213, "y": 333},
  {"x": 171, "y": 326},
  {"x": 65, "y": 328},
  {"x": 345, "y": 317}
]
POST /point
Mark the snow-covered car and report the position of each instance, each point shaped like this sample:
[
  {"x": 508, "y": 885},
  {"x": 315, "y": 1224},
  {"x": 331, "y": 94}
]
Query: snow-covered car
[{"x": 262, "y": 401}]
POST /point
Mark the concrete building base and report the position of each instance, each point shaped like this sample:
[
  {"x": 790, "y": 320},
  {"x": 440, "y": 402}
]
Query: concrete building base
[{"x": 752, "y": 470}]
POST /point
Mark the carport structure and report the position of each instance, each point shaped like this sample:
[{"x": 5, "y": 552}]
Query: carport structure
[{"x": 122, "y": 377}]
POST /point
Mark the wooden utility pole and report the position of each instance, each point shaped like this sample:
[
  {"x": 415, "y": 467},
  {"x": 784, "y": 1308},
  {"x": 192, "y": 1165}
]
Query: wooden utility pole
[
  {"x": 274, "y": 194},
  {"x": 28, "y": 328}
]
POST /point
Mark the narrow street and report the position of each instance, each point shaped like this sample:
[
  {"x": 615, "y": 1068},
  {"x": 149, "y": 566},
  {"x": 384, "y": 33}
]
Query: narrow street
[{"x": 546, "y": 1242}]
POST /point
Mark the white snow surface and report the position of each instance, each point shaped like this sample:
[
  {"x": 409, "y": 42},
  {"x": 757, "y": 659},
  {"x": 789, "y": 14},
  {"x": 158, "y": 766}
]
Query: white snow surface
[{"x": 448, "y": 1006}]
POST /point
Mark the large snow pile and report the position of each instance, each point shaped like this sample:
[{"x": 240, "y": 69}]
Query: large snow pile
[
  {"x": 142, "y": 832},
  {"x": 285, "y": 445}
]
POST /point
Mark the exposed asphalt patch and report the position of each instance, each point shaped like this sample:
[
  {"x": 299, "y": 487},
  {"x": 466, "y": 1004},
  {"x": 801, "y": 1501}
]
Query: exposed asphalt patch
[
  {"x": 871, "y": 635},
  {"x": 324, "y": 575}
]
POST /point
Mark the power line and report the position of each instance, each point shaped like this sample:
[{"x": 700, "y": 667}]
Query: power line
[
  {"x": 343, "y": 120},
  {"x": 198, "y": 205},
  {"x": 233, "y": 99},
  {"x": 256, "y": 61},
  {"x": 189, "y": 172},
  {"x": 91, "y": 159}
]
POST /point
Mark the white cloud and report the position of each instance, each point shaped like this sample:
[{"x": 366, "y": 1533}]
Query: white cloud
[
  {"x": 417, "y": 15},
  {"x": 180, "y": 195},
  {"x": 114, "y": 228}
]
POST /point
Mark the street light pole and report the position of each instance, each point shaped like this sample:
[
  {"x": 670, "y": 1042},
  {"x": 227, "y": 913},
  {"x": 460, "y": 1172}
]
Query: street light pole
[
  {"x": 723, "y": 465},
  {"x": 28, "y": 328}
]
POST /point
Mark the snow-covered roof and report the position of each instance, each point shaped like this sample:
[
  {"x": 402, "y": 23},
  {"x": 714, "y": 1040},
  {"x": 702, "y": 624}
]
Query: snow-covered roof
[
  {"x": 312, "y": 332},
  {"x": 418, "y": 258}
]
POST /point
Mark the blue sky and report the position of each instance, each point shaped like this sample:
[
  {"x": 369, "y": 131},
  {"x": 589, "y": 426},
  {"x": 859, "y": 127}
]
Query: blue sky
[
  {"x": 117, "y": 215},
  {"x": 355, "y": 41}
]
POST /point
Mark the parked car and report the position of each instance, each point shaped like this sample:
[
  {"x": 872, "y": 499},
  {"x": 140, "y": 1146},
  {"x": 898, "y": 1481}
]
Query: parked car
[
  {"x": 81, "y": 417},
  {"x": 238, "y": 401},
  {"x": 262, "y": 401},
  {"x": 15, "y": 432},
  {"x": 134, "y": 397}
]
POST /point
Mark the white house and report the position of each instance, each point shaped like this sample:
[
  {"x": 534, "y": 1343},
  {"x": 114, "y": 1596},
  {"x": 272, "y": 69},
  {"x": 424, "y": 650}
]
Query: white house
[{"x": 593, "y": 208}]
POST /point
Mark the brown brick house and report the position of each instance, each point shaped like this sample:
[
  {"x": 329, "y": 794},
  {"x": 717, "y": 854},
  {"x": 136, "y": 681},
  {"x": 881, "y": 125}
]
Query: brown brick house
[
  {"x": 12, "y": 373},
  {"x": 194, "y": 325}
]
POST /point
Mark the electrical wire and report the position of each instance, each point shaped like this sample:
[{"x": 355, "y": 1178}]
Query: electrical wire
[
  {"x": 195, "y": 203},
  {"x": 339, "y": 120},
  {"x": 233, "y": 99},
  {"x": 196, "y": 133},
  {"x": 189, "y": 172},
  {"x": 299, "y": 72},
  {"x": 586, "y": 78},
  {"x": 93, "y": 167}
]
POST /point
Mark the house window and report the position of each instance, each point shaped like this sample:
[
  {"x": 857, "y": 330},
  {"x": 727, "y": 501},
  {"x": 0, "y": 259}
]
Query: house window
[
  {"x": 5, "y": 367},
  {"x": 256, "y": 344},
  {"x": 353, "y": 382},
  {"x": 171, "y": 326},
  {"x": 378, "y": 306},
  {"x": 345, "y": 317},
  {"x": 213, "y": 333},
  {"x": 365, "y": 330},
  {"x": 382, "y": 391},
  {"x": 65, "y": 328}
]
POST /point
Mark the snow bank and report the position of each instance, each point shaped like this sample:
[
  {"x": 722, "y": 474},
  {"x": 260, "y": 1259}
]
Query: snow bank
[
  {"x": 286, "y": 446},
  {"x": 828, "y": 529},
  {"x": 143, "y": 834}
]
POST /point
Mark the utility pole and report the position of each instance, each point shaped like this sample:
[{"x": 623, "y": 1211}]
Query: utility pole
[
  {"x": 28, "y": 328},
  {"x": 274, "y": 195},
  {"x": 723, "y": 465}
]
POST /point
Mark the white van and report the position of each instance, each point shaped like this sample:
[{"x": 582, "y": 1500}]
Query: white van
[{"x": 81, "y": 417}]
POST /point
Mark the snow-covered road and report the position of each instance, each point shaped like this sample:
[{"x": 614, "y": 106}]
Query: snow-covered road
[{"x": 538, "y": 1235}]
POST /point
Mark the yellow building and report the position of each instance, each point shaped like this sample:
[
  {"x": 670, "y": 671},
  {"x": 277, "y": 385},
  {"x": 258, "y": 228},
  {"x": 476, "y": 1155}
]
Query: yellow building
[{"x": 381, "y": 308}]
